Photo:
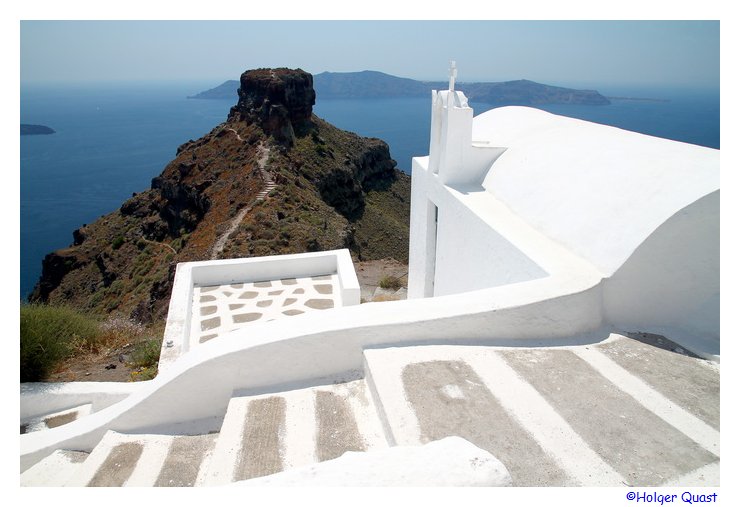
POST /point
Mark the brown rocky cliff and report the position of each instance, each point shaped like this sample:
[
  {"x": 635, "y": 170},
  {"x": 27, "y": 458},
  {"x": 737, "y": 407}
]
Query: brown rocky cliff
[
  {"x": 332, "y": 189},
  {"x": 280, "y": 101}
]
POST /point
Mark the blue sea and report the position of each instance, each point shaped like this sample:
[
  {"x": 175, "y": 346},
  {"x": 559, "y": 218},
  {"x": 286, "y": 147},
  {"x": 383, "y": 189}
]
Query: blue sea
[{"x": 110, "y": 141}]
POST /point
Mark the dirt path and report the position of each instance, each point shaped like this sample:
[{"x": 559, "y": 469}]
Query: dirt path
[
  {"x": 269, "y": 184},
  {"x": 161, "y": 244},
  {"x": 369, "y": 274},
  {"x": 111, "y": 366}
]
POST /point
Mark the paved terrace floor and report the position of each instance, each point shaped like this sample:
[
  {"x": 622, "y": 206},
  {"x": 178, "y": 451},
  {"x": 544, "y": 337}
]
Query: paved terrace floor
[
  {"x": 219, "y": 309},
  {"x": 637, "y": 410}
]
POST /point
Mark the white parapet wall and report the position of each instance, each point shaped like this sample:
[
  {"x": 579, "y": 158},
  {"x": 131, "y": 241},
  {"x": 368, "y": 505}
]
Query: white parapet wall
[
  {"x": 192, "y": 394},
  {"x": 255, "y": 269},
  {"x": 42, "y": 398}
]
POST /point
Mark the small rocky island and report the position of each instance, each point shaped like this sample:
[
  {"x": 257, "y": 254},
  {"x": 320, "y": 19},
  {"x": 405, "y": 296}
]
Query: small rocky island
[{"x": 35, "y": 130}]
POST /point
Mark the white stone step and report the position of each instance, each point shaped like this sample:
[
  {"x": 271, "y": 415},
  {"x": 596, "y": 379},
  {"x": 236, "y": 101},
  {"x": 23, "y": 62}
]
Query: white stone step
[
  {"x": 450, "y": 462},
  {"x": 144, "y": 460},
  {"x": 553, "y": 416},
  {"x": 54, "y": 470},
  {"x": 270, "y": 433},
  {"x": 52, "y": 420}
]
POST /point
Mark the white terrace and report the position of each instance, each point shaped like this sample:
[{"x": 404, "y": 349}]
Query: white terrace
[
  {"x": 562, "y": 329},
  {"x": 213, "y": 298}
]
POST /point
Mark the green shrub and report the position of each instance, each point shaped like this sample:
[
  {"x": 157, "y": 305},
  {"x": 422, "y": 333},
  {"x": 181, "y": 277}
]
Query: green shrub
[
  {"x": 390, "y": 282},
  {"x": 117, "y": 242},
  {"x": 96, "y": 299},
  {"x": 268, "y": 234},
  {"x": 49, "y": 334},
  {"x": 247, "y": 228},
  {"x": 146, "y": 353},
  {"x": 177, "y": 244},
  {"x": 116, "y": 287}
]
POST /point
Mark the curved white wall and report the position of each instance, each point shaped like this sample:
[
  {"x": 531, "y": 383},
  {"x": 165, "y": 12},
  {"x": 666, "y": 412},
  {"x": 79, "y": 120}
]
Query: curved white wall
[
  {"x": 598, "y": 190},
  {"x": 287, "y": 353},
  {"x": 671, "y": 284}
]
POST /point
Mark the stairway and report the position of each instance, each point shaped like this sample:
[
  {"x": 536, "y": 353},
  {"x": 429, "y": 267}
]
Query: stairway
[
  {"x": 624, "y": 411},
  {"x": 260, "y": 435},
  {"x": 266, "y": 434},
  {"x": 270, "y": 185}
]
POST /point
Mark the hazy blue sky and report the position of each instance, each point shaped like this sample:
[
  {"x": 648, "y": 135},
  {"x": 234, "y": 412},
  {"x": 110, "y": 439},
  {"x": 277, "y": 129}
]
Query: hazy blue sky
[{"x": 570, "y": 53}]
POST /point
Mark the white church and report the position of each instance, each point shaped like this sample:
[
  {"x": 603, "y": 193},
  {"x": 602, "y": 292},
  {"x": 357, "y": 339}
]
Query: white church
[{"x": 562, "y": 328}]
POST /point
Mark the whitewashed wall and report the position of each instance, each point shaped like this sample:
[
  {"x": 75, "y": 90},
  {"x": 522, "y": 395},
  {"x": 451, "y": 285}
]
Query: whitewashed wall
[
  {"x": 422, "y": 241},
  {"x": 671, "y": 283},
  {"x": 471, "y": 255},
  {"x": 641, "y": 211},
  {"x": 465, "y": 252}
]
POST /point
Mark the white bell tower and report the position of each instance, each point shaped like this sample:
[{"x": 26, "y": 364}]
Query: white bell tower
[
  {"x": 452, "y": 124},
  {"x": 453, "y": 155}
]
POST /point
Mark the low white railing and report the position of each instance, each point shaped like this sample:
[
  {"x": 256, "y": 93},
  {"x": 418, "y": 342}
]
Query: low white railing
[{"x": 244, "y": 270}]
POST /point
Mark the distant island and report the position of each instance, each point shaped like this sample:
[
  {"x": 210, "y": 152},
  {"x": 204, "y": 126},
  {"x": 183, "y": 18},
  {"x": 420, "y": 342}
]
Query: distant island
[
  {"x": 35, "y": 130},
  {"x": 638, "y": 99},
  {"x": 371, "y": 84}
]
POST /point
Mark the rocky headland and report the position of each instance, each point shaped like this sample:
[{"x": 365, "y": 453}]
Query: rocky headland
[{"x": 272, "y": 179}]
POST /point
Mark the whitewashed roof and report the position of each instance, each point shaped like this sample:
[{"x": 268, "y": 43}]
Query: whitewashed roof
[{"x": 598, "y": 190}]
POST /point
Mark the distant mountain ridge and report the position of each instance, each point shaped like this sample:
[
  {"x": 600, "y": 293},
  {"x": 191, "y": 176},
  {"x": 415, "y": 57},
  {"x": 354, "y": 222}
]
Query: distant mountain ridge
[{"x": 369, "y": 84}]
